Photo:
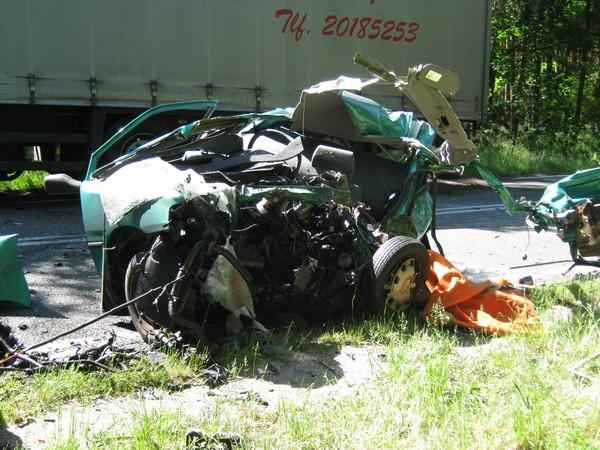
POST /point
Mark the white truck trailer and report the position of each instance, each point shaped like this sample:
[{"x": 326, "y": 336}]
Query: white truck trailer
[{"x": 72, "y": 72}]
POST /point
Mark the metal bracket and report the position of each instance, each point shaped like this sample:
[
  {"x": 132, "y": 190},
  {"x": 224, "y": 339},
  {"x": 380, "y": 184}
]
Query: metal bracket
[
  {"x": 32, "y": 88},
  {"x": 93, "y": 91},
  {"x": 258, "y": 93},
  {"x": 154, "y": 91}
]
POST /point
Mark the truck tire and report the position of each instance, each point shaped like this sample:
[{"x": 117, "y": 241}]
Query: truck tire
[
  {"x": 11, "y": 152},
  {"x": 397, "y": 277},
  {"x": 9, "y": 176},
  {"x": 146, "y": 132}
]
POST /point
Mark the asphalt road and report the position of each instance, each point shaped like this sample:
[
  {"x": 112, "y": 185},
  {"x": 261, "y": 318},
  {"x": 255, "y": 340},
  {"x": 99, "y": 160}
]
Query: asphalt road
[
  {"x": 473, "y": 228},
  {"x": 479, "y": 236},
  {"x": 62, "y": 278}
]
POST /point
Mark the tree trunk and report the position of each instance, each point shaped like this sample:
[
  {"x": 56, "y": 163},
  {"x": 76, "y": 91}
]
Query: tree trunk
[{"x": 584, "y": 57}]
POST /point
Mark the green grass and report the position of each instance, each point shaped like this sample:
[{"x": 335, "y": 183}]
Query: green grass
[
  {"x": 555, "y": 153},
  {"x": 151, "y": 430},
  {"x": 443, "y": 388},
  {"x": 507, "y": 159},
  {"x": 27, "y": 182},
  {"x": 41, "y": 392}
]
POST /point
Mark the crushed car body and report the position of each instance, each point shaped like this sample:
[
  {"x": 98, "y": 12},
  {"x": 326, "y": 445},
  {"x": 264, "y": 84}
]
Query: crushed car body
[{"x": 238, "y": 220}]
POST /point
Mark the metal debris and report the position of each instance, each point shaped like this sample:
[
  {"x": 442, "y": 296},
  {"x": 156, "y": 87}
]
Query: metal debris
[
  {"x": 103, "y": 355},
  {"x": 215, "y": 375},
  {"x": 196, "y": 439}
]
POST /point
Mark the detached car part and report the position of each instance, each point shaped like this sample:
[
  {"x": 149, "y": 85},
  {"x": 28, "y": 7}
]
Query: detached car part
[
  {"x": 572, "y": 205},
  {"x": 13, "y": 286}
]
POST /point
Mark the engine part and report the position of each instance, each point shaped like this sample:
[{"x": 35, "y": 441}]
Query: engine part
[{"x": 305, "y": 274}]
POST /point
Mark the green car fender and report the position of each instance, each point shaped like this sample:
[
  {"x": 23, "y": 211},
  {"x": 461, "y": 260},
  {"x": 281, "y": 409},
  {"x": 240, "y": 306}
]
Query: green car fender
[{"x": 150, "y": 217}]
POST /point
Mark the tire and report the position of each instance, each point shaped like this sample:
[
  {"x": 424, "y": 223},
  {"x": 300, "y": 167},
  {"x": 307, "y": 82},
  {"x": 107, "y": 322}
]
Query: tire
[
  {"x": 146, "y": 132},
  {"x": 401, "y": 262},
  {"x": 147, "y": 271},
  {"x": 10, "y": 176},
  {"x": 11, "y": 152}
]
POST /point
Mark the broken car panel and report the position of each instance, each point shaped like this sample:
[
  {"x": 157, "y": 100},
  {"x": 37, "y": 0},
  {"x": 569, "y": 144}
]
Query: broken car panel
[{"x": 572, "y": 205}]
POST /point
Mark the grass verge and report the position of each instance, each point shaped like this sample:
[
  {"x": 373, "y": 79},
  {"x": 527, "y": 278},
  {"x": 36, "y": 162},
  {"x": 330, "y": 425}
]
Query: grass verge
[
  {"x": 443, "y": 388},
  {"x": 27, "y": 182},
  {"x": 519, "y": 160},
  {"x": 556, "y": 153},
  {"x": 24, "y": 396}
]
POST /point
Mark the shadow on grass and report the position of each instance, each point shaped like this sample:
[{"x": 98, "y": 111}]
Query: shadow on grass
[
  {"x": 314, "y": 356},
  {"x": 8, "y": 440},
  {"x": 291, "y": 357}
]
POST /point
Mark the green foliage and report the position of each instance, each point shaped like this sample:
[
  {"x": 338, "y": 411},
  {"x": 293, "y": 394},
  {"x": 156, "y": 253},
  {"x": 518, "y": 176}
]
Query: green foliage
[
  {"x": 536, "y": 152},
  {"x": 544, "y": 73}
]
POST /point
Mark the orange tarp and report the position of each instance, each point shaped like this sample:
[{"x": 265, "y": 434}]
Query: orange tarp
[{"x": 476, "y": 305}]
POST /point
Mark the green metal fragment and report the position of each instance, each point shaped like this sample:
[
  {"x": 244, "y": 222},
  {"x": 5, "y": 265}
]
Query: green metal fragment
[
  {"x": 373, "y": 120},
  {"x": 13, "y": 286},
  {"x": 512, "y": 206},
  {"x": 572, "y": 190},
  {"x": 312, "y": 194}
]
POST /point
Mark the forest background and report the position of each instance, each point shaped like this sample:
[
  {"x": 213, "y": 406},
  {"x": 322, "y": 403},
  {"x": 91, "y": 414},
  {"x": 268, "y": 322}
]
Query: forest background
[{"x": 544, "y": 98}]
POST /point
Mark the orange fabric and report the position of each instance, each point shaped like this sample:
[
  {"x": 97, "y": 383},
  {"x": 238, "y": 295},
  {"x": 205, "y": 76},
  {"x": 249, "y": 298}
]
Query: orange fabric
[{"x": 476, "y": 305}]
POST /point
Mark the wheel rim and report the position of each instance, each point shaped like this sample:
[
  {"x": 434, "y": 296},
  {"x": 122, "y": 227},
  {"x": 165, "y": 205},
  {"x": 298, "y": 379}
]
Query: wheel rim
[{"x": 399, "y": 285}]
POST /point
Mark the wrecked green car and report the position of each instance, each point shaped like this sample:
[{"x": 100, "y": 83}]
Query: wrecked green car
[{"x": 230, "y": 223}]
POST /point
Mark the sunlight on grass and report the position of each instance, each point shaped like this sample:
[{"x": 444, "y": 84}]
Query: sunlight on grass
[
  {"x": 508, "y": 160},
  {"x": 42, "y": 391},
  {"x": 27, "y": 182},
  {"x": 539, "y": 154}
]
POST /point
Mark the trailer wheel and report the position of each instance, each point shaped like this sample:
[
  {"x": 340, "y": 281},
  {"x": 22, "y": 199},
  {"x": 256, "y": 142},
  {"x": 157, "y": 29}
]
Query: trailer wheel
[
  {"x": 398, "y": 275},
  {"x": 140, "y": 135},
  {"x": 11, "y": 152},
  {"x": 9, "y": 176}
]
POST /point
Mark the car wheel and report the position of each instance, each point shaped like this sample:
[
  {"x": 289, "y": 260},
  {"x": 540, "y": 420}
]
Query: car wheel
[
  {"x": 147, "y": 271},
  {"x": 132, "y": 276},
  {"x": 398, "y": 275}
]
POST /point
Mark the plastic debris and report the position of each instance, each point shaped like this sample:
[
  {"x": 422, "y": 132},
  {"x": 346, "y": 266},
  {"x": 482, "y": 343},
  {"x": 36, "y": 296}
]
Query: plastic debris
[
  {"x": 196, "y": 439},
  {"x": 478, "y": 306}
]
